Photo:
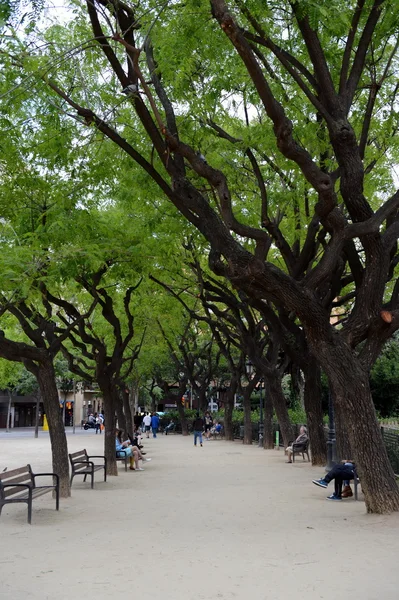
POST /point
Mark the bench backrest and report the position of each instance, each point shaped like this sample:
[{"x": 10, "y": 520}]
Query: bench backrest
[
  {"x": 78, "y": 457},
  {"x": 21, "y": 475}
]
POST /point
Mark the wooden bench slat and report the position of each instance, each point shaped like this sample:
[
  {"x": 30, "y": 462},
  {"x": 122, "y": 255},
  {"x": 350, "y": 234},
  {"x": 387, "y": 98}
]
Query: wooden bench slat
[
  {"x": 15, "y": 490},
  {"x": 14, "y": 472},
  {"x": 20, "y": 479},
  {"x": 22, "y": 494},
  {"x": 76, "y": 454}
]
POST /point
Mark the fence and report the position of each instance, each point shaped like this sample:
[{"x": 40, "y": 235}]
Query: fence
[{"x": 391, "y": 440}]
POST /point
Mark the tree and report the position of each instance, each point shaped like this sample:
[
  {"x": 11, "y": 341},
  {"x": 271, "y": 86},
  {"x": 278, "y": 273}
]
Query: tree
[{"x": 330, "y": 139}]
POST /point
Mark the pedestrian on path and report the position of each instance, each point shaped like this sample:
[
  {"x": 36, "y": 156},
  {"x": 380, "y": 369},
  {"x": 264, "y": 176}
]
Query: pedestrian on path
[
  {"x": 147, "y": 424},
  {"x": 99, "y": 422},
  {"x": 154, "y": 424},
  {"x": 198, "y": 427}
]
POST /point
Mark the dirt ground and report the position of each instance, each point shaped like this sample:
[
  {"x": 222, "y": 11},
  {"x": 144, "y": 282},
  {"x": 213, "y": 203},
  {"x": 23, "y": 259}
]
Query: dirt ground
[{"x": 224, "y": 522}]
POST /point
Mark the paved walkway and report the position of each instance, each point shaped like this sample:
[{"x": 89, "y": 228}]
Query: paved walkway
[{"x": 220, "y": 522}]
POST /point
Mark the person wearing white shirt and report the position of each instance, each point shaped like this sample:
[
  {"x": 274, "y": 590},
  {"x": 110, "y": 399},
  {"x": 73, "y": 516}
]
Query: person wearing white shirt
[{"x": 147, "y": 424}]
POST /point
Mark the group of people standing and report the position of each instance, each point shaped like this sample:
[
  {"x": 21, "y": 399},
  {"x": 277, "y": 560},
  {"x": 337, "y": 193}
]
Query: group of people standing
[{"x": 147, "y": 422}]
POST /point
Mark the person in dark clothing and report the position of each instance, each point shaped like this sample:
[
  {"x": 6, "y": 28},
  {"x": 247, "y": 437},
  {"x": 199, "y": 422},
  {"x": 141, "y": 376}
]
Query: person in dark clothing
[
  {"x": 339, "y": 473},
  {"x": 138, "y": 420},
  {"x": 198, "y": 427}
]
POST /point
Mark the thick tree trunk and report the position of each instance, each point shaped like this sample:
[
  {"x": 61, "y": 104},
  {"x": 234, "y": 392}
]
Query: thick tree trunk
[
  {"x": 127, "y": 411},
  {"x": 228, "y": 417},
  {"x": 202, "y": 400},
  {"x": 182, "y": 416},
  {"x": 314, "y": 413},
  {"x": 268, "y": 441},
  {"x": 275, "y": 393},
  {"x": 108, "y": 394},
  {"x": 228, "y": 409},
  {"x": 120, "y": 414},
  {"x": 37, "y": 415},
  {"x": 247, "y": 419},
  {"x": 353, "y": 405},
  {"x": 48, "y": 389}
]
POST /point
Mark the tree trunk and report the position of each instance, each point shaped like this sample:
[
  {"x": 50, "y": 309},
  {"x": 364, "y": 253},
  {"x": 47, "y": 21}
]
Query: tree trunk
[
  {"x": 118, "y": 403},
  {"x": 247, "y": 419},
  {"x": 202, "y": 400},
  {"x": 268, "y": 440},
  {"x": 343, "y": 445},
  {"x": 314, "y": 413},
  {"x": 353, "y": 404},
  {"x": 127, "y": 411},
  {"x": 228, "y": 409},
  {"x": 108, "y": 394},
  {"x": 37, "y": 413},
  {"x": 228, "y": 418},
  {"x": 275, "y": 393},
  {"x": 182, "y": 416},
  {"x": 48, "y": 390}
]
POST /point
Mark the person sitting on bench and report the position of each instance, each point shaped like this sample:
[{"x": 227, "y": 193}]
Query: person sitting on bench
[
  {"x": 301, "y": 439},
  {"x": 132, "y": 452},
  {"x": 170, "y": 427},
  {"x": 343, "y": 472}
]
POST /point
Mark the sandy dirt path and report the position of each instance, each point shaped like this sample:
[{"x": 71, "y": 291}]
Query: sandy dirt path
[{"x": 223, "y": 522}]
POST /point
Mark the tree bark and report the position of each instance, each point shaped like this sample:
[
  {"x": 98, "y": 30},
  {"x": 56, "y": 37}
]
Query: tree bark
[
  {"x": 228, "y": 410},
  {"x": 120, "y": 414},
  {"x": 275, "y": 393},
  {"x": 37, "y": 415},
  {"x": 202, "y": 400},
  {"x": 247, "y": 419},
  {"x": 314, "y": 413},
  {"x": 48, "y": 389},
  {"x": 182, "y": 413},
  {"x": 268, "y": 439},
  {"x": 354, "y": 405},
  {"x": 109, "y": 422},
  {"x": 343, "y": 445},
  {"x": 127, "y": 411},
  {"x": 228, "y": 419}
]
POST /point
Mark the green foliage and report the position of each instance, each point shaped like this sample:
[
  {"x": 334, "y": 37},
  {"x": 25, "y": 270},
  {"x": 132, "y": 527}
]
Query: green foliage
[{"x": 384, "y": 380}]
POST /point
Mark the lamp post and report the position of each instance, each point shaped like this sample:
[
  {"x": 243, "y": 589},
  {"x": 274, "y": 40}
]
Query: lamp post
[
  {"x": 331, "y": 441},
  {"x": 250, "y": 372}
]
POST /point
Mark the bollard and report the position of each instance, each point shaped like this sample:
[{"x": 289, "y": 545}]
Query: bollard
[{"x": 278, "y": 440}]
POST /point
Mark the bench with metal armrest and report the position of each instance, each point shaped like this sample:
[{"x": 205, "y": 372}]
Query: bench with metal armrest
[
  {"x": 81, "y": 464},
  {"x": 19, "y": 485}
]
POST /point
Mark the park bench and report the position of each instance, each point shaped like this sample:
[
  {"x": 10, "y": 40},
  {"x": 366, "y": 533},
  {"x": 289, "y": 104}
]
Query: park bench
[
  {"x": 171, "y": 428},
  {"x": 19, "y": 485},
  {"x": 218, "y": 434},
  {"x": 122, "y": 455},
  {"x": 81, "y": 464},
  {"x": 300, "y": 449}
]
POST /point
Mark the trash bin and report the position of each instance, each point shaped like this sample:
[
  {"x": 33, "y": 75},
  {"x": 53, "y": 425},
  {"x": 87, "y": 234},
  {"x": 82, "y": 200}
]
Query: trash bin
[{"x": 241, "y": 432}]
